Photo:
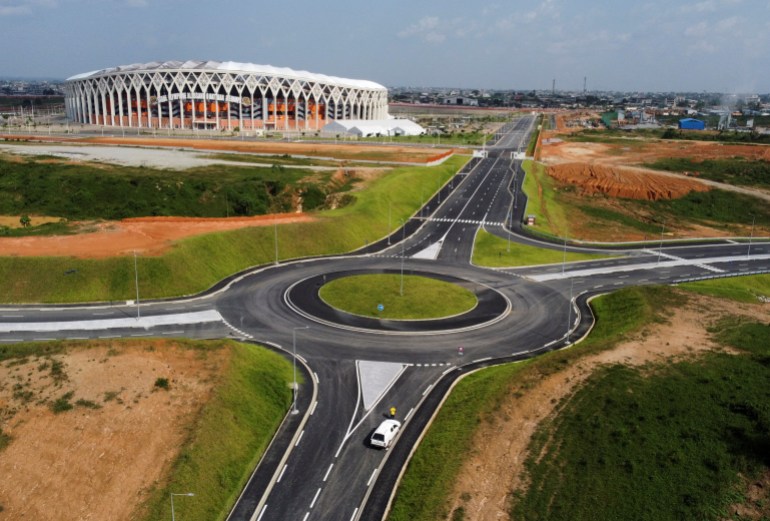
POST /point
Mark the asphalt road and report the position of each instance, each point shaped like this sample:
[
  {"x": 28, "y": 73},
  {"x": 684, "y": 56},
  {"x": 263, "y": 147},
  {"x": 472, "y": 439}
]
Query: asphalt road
[{"x": 320, "y": 466}]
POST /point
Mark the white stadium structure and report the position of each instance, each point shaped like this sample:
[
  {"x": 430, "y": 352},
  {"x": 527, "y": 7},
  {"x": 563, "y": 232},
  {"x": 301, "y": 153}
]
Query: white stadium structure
[{"x": 219, "y": 95}]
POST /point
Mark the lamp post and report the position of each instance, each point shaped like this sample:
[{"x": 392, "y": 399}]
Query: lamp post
[
  {"x": 389, "y": 213},
  {"x": 294, "y": 366},
  {"x": 136, "y": 283},
  {"x": 660, "y": 248},
  {"x": 403, "y": 239},
  {"x": 190, "y": 494},
  {"x": 753, "y": 221}
]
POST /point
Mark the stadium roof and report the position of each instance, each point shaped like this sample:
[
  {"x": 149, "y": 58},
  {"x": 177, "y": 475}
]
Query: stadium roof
[{"x": 250, "y": 68}]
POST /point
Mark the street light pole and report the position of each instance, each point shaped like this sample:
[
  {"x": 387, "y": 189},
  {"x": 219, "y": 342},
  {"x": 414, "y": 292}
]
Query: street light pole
[
  {"x": 294, "y": 366},
  {"x": 189, "y": 494},
  {"x": 753, "y": 221},
  {"x": 569, "y": 304},
  {"x": 403, "y": 240},
  {"x": 660, "y": 248},
  {"x": 275, "y": 236},
  {"x": 136, "y": 283},
  {"x": 389, "y": 214}
]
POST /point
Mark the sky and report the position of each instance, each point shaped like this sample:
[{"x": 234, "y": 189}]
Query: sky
[{"x": 640, "y": 45}]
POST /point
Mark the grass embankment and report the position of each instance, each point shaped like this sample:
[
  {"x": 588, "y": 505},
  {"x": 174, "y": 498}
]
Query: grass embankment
[
  {"x": 608, "y": 135},
  {"x": 227, "y": 438},
  {"x": 423, "y": 297},
  {"x": 667, "y": 442},
  {"x": 542, "y": 201},
  {"x": 734, "y": 171},
  {"x": 742, "y": 289},
  {"x": 230, "y": 436},
  {"x": 492, "y": 251},
  {"x": 80, "y": 191},
  {"x": 555, "y": 205},
  {"x": 431, "y": 474},
  {"x": 196, "y": 263}
]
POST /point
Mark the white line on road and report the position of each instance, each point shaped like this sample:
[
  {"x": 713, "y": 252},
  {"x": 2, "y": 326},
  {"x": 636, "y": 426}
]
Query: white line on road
[
  {"x": 408, "y": 415},
  {"x": 281, "y": 474},
  {"x": 315, "y": 375},
  {"x": 307, "y": 514},
  {"x": 315, "y": 498},
  {"x": 262, "y": 513},
  {"x": 428, "y": 389},
  {"x": 371, "y": 478},
  {"x": 481, "y": 359},
  {"x": 326, "y": 476},
  {"x": 300, "y": 438},
  {"x": 354, "y": 514},
  {"x": 312, "y": 409}
]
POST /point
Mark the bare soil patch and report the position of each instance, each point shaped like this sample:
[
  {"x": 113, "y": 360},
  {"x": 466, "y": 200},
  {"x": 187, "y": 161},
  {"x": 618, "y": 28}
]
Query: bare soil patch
[
  {"x": 145, "y": 235},
  {"x": 97, "y": 461},
  {"x": 391, "y": 153},
  {"x": 630, "y": 183},
  {"x": 494, "y": 469}
]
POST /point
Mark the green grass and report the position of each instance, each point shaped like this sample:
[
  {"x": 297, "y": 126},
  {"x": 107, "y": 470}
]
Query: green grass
[
  {"x": 533, "y": 140},
  {"x": 742, "y": 333},
  {"x": 196, "y": 263},
  {"x": 494, "y": 252},
  {"x": 715, "y": 206},
  {"x": 665, "y": 443},
  {"x": 431, "y": 474},
  {"x": 551, "y": 217},
  {"x": 629, "y": 221},
  {"x": 230, "y": 436},
  {"x": 51, "y": 228},
  {"x": 283, "y": 160},
  {"x": 741, "y": 289},
  {"x": 736, "y": 171},
  {"x": 75, "y": 191},
  {"x": 422, "y": 298}
]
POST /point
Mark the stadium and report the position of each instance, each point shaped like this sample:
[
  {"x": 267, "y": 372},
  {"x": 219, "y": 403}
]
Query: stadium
[{"x": 219, "y": 95}]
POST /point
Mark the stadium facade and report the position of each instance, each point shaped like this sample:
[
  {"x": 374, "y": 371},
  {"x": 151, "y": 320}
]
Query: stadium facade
[{"x": 219, "y": 95}]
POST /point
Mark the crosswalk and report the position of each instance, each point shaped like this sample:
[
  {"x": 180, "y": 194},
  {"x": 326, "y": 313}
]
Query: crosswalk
[{"x": 461, "y": 221}]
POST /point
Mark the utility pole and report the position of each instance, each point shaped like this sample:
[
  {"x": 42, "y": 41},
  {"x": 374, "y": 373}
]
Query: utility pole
[
  {"x": 136, "y": 283},
  {"x": 569, "y": 304},
  {"x": 275, "y": 240},
  {"x": 753, "y": 221}
]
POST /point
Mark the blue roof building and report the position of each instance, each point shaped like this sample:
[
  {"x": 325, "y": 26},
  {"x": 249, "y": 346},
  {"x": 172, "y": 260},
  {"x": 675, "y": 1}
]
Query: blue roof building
[{"x": 691, "y": 124}]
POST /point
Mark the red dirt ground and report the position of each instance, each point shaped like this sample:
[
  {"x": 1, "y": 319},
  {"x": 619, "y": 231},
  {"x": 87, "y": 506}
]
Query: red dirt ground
[
  {"x": 145, "y": 235},
  {"x": 337, "y": 151},
  {"x": 631, "y": 183}
]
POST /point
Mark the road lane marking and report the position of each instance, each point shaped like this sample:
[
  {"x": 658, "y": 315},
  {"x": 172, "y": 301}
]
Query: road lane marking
[
  {"x": 312, "y": 409},
  {"x": 371, "y": 478},
  {"x": 481, "y": 359},
  {"x": 428, "y": 389},
  {"x": 354, "y": 514},
  {"x": 326, "y": 476},
  {"x": 307, "y": 514},
  {"x": 315, "y": 498},
  {"x": 315, "y": 375},
  {"x": 281, "y": 474},
  {"x": 300, "y": 438},
  {"x": 262, "y": 513},
  {"x": 408, "y": 415}
]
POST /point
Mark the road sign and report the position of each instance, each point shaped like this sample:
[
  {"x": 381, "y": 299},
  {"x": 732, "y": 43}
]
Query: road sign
[{"x": 380, "y": 307}]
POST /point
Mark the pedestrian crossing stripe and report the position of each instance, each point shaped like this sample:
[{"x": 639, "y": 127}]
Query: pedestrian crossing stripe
[{"x": 461, "y": 221}]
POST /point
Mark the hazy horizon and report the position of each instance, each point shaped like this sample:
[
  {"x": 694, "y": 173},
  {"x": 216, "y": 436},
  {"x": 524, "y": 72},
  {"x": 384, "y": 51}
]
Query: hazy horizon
[{"x": 693, "y": 46}]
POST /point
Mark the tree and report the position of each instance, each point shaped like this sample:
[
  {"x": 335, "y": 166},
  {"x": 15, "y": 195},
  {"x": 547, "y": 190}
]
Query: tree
[{"x": 25, "y": 221}]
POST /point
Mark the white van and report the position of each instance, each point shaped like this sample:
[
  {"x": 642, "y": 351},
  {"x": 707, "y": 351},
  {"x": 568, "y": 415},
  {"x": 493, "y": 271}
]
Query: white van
[{"x": 385, "y": 434}]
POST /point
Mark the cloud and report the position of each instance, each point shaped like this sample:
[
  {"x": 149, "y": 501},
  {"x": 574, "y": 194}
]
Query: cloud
[
  {"x": 700, "y": 29},
  {"x": 137, "y": 3},
  {"x": 23, "y": 7},
  {"x": 14, "y": 10},
  {"x": 433, "y": 29}
]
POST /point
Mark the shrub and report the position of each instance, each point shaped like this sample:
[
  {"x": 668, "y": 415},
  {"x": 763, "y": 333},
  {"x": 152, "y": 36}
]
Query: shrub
[{"x": 162, "y": 383}]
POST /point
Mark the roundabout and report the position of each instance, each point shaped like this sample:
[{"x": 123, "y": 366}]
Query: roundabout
[{"x": 490, "y": 305}]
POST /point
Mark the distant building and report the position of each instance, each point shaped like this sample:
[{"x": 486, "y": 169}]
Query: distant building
[
  {"x": 374, "y": 128},
  {"x": 460, "y": 100},
  {"x": 691, "y": 124}
]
